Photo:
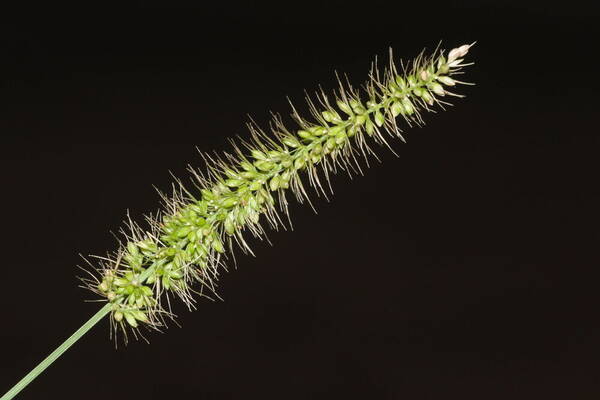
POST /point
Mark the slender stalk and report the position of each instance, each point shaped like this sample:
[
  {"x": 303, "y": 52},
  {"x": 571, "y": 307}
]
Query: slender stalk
[{"x": 56, "y": 353}]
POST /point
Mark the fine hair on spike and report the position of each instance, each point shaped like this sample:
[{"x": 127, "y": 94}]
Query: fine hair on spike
[{"x": 180, "y": 251}]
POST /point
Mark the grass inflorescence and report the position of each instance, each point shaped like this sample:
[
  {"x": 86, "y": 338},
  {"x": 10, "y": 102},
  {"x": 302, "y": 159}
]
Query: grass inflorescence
[{"x": 185, "y": 245}]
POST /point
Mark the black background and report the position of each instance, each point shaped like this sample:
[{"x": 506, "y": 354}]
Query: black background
[{"x": 466, "y": 268}]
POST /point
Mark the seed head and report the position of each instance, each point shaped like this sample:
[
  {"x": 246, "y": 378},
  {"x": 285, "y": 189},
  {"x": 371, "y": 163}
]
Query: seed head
[{"x": 183, "y": 248}]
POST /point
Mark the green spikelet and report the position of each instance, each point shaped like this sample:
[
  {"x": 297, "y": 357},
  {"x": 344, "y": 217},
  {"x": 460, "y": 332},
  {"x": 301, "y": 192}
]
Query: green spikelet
[{"x": 240, "y": 193}]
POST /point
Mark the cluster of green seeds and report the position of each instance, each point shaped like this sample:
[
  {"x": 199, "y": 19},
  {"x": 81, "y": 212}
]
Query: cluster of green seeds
[{"x": 184, "y": 247}]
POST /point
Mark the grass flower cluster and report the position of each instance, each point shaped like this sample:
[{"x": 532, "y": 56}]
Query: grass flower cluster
[
  {"x": 186, "y": 246},
  {"x": 183, "y": 248}
]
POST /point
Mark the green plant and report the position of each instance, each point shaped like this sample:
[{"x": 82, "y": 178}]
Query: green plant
[{"x": 184, "y": 246}]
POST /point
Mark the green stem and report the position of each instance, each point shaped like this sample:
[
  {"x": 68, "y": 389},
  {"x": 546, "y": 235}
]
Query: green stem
[{"x": 56, "y": 353}]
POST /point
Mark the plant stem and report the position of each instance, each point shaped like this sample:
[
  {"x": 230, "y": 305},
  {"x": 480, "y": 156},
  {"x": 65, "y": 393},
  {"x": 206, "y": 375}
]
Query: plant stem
[{"x": 56, "y": 353}]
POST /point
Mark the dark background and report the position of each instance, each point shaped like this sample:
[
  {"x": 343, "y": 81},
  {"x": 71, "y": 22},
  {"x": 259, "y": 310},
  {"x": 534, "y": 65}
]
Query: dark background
[{"x": 466, "y": 268}]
